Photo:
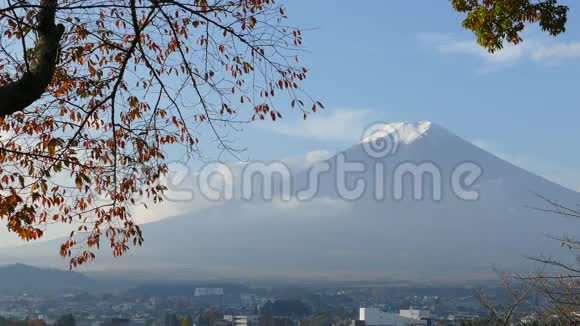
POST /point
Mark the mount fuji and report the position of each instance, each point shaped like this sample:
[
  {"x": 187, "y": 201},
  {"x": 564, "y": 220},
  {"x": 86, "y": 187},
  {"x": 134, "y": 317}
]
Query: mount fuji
[{"x": 440, "y": 236}]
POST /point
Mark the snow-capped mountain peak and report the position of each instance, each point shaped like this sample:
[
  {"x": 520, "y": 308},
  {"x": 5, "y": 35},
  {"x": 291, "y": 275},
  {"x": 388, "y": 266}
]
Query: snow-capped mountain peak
[{"x": 403, "y": 132}]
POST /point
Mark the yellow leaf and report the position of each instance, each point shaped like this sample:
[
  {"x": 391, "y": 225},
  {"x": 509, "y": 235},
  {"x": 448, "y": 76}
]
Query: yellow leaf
[
  {"x": 52, "y": 147},
  {"x": 79, "y": 182},
  {"x": 51, "y": 150}
]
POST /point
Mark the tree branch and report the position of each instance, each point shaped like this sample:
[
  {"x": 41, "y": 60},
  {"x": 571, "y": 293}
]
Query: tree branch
[{"x": 17, "y": 95}]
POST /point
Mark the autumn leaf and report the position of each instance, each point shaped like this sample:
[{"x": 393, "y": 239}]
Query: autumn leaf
[
  {"x": 79, "y": 182},
  {"x": 52, "y": 147}
]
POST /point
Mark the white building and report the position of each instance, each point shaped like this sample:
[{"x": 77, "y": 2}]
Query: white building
[
  {"x": 377, "y": 317},
  {"x": 416, "y": 314},
  {"x": 204, "y": 292},
  {"x": 242, "y": 320}
]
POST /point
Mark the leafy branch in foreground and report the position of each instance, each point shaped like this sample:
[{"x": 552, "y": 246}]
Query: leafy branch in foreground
[
  {"x": 95, "y": 94},
  {"x": 497, "y": 21}
]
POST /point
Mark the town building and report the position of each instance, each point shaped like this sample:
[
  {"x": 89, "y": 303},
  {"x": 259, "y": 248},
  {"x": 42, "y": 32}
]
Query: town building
[{"x": 410, "y": 317}]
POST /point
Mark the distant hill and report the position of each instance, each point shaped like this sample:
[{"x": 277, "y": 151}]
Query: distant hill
[{"x": 21, "y": 277}]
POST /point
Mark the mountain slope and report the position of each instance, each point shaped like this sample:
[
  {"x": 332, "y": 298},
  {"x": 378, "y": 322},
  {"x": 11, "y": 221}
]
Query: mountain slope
[
  {"x": 330, "y": 237},
  {"x": 20, "y": 276}
]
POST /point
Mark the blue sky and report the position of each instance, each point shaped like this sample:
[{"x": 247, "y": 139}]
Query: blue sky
[{"x": 386, "y": 60}]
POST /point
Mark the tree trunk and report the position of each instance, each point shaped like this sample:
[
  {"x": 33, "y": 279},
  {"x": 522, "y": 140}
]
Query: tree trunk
[{"x": 15, "y": 96}]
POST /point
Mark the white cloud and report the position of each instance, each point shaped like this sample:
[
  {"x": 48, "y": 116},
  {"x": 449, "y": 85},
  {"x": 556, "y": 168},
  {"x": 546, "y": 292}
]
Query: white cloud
[
  {"x": 316, "y": 156},
  {"x": 184, "y": 195},
  {"x": 557, "y": 52},
  {"x": 542, "y": 50},
  {"x": 304, "y": 162},
  {"x": 345, "y": 125}
]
